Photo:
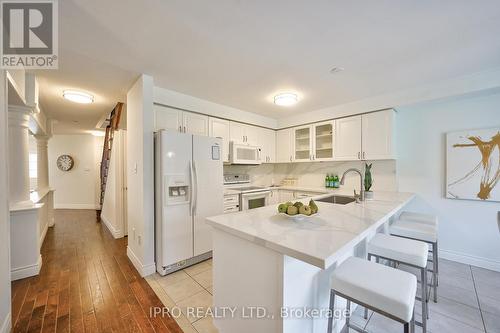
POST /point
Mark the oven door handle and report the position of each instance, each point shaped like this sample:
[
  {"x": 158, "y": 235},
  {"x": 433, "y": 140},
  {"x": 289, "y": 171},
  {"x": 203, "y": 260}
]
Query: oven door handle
[{"x": 255, "y": 194}]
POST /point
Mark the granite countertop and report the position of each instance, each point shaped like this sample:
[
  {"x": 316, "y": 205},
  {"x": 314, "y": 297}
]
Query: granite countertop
[{"x": 320, "y": 240}]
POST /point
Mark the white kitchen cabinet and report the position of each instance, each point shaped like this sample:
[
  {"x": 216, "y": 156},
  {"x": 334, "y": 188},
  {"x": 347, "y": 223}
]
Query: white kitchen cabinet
[
  {"x": 284, "y": 146},
  {"x": 286, "y": 195},
  {"x": 378, "y": 135},
  {"x": 252, "y": 133},
  {"x": 244, "y": 134},
  {"x": 267, "y": 142},
  {"x": 365, "y": 137},
  {"x": 348, "y": 139},
  {"x": 302, "y": 143},
  {"x": 219, "y": 128},
  {"x": 237, "y": 132},
  {"x": 182, "y": 121},
  {"x": 274, "y": 197},
  {"x": 167, "y": 118},
  {"x": 323, "y": 141},
  {"x": 314, "y": 142},
  {"x": 195, "y": 123}
]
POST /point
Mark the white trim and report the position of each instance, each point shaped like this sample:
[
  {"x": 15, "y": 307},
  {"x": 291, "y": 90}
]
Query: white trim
[
  {"x": 44, "y": 233},
  {"x": 26, "y": 271},
  {"x": 76, "y": 206},
  {"x": 470, "y": 260},
  {"x": 7, "y": 324},
  {"x": 114, "y": 231},
  {"x": 144, "y": 270}
]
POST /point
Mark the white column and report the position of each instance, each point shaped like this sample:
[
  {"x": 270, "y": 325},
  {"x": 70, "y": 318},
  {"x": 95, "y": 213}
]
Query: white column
[
  {"x": 42, "y": 161},
  {"x": 19, "y": 181}
]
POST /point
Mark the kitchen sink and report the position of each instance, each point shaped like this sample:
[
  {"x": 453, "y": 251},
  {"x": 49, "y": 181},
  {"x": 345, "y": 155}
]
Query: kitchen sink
[{"x": 338, "y": 199}]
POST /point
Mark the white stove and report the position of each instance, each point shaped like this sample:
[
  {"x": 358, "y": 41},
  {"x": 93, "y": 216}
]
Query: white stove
[{"x": 250, "y": 197}]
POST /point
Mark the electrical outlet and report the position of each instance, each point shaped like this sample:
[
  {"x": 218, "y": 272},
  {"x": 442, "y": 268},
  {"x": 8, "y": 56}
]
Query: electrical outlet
[
  {"x": 139, "y": 240},
  {"x": 133, "y": 232}
]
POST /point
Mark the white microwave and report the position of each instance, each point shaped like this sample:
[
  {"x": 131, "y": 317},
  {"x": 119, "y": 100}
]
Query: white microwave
[{"x": 243, "y": 154}]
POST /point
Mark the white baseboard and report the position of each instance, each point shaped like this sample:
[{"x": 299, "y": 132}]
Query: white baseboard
[
  {"x": 144, "y": 270},
  {"x": 26, "y": 271},
  {"x": 470, "y": 260},
  {"x": 6, "y": 324},
  {"x": 115, "y": 232},
  {"x": 76, "y": 206}
]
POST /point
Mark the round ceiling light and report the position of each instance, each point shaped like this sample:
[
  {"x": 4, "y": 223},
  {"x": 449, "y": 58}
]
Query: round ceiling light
[
  {"x": 78, "y": 97},
  {"x": 286, "y": 99}
]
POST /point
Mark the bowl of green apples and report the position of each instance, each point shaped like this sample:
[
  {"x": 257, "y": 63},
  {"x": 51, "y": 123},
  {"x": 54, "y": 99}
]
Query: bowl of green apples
[{"x": 298, "y": 211}]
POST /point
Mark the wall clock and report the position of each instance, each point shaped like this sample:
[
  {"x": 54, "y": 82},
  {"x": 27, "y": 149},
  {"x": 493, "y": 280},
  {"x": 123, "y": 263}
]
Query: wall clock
[{"x": 65, "y": 162}]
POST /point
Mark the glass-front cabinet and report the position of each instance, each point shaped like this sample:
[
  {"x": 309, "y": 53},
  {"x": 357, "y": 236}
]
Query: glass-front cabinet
[
  {"x": 303, "y": 143},
  {"x": 323, "y": 141},
  {"x": 314, "y": 142}
]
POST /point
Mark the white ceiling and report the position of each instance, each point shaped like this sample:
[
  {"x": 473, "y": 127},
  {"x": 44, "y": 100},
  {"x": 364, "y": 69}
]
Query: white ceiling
[{"x": 239, "y": 53}]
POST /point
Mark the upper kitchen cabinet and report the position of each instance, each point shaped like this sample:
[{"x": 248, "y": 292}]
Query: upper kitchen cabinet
[
  {"x": 195, "y": 123},
  {"x": 167, "y": 118},
  {"x": 267, "y": 142},
  {"x": 378, "y": 135},
  {"x": 182, "y": 121},
  {"x": 348, "y": 138},
  {"x": 314, "y": 142},
  {"x": 237, "y": 132},
  {"x": 219, "y": 128},
  {"x": 302, "y": 143},
  {"x": 365, "y": 137},
  {"x": 244, "y": 134},
  {"x": 284, "y": 146},
  {"x": 323, "y": 141}
]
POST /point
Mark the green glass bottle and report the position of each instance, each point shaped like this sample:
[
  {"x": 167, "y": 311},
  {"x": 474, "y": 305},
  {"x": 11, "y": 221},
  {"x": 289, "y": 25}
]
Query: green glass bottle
[{"x": 327, "y": 181}]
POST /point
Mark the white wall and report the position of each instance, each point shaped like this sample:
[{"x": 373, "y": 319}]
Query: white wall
[
  {"x": 191, "y": 103},
  {"x": 77, "y": 188},
  {"x": 469, "y": 230},
  {"x": 5, "y": 307},
  {"x": 140, "y": 178}
]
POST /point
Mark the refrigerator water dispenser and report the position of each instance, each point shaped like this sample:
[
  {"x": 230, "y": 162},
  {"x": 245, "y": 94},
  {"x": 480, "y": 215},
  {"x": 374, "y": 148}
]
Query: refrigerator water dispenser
[{"x": 177, "y": 189}]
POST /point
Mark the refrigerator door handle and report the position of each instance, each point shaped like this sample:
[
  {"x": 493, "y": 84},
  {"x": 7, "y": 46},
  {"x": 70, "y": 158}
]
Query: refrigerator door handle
[
  {"x": 191, "y": 190},
  {"x": 195, "y": 185}
]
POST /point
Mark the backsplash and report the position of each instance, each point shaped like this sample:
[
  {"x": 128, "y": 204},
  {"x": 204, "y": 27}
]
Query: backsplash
[{"x": 313, "y": 174}]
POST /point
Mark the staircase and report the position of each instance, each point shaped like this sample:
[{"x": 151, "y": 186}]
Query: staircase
[{"x": 114, "y": 122}]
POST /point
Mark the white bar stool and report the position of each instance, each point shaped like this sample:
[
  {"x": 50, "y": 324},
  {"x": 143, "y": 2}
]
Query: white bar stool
[
  {"x": 405, "y": 251},
  {"x": 385, "y": 290},
  {"x": 425, "y": 219},
  {"x": 421, "y": 232}
]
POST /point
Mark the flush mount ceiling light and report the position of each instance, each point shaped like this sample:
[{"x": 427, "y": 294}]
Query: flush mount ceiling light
[
  {"x": 286, "y": 99},
  {"x": 78, "y": 96}
]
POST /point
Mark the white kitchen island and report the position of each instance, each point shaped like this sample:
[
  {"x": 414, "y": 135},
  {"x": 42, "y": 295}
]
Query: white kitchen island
[{"x": 280, "y": 266}]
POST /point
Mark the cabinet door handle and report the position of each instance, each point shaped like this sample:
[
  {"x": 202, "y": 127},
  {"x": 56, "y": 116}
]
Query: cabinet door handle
[
  {"x": 180, "y": 129},
  {"x": 364, "y": 155},
  {"x": 184, "y": 129},
  {"x": 359, "y": 155}
]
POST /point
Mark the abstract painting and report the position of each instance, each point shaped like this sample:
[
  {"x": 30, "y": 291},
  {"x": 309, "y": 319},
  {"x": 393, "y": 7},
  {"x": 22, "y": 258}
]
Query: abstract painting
[{"x": 473, "y": 164}]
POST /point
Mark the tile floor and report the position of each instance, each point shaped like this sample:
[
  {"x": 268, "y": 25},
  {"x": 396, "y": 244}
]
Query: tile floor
[{"x": 469, "y": 300}]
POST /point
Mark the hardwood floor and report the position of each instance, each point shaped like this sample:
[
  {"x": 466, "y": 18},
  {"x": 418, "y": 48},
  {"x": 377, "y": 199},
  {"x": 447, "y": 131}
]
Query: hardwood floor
[{"x": 87, "y": 284}]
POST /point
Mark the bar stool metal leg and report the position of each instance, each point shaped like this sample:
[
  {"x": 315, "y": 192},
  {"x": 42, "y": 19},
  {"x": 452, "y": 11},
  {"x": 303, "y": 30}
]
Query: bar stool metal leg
[
  {"x": 435, "y": 269},
  {"x": 332, "y": 305},
  {"x": 348, "y": 318},
  {"x": 423, "y": 278}
]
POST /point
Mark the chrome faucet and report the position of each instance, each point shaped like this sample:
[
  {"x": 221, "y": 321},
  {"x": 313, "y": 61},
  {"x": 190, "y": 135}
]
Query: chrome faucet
[{"x": 362, "y": 191}]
